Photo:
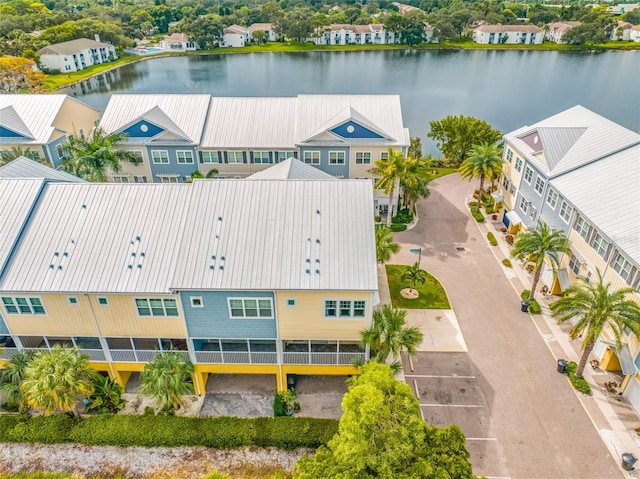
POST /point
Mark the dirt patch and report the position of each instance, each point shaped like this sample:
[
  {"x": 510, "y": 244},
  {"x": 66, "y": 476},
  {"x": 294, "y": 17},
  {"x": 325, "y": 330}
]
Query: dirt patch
[
  {"x": 137, "y": 403},
  {"x": 409, "y": 293}
]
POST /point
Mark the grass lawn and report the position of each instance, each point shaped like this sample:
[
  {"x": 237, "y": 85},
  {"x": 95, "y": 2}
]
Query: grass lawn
[
  {"x": 440, "y": 172},
  {"x": 432, "y": 294}
]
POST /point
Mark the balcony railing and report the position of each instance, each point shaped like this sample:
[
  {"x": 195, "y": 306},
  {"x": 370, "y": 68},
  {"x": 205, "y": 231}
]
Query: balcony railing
[
  {"x": 135, "y": 355},
  {"x": 323, "y": 358},
  {"x": 8, "y": 353},
  {"x": 236, "y": 357}
]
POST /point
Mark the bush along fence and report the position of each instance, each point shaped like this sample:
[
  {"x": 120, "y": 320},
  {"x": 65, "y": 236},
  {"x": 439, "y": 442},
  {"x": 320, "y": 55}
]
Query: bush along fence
[{"x": 169, "y": 431}]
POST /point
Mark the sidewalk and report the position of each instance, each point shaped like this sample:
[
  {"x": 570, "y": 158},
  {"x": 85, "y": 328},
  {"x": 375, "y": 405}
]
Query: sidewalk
[{"x": 613, "y": 416}]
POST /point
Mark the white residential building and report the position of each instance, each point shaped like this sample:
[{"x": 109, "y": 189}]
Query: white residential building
[
  {"x": 178, "y": 42},
  {"x": 634, "y": 34},
  {"x": 238, "y": 36},
  {"x": 556, "y": 30},
  {"x": 508, "y": 34},
  {"x": 76, "y": 55}
]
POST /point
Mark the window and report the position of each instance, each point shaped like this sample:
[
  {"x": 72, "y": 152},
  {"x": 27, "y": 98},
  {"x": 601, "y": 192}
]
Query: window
[
  {"x": 138, "y": 155},
  {"x": 250, "y": 308},
  {"x": 588, "y": 276},
  {"x": 336, "y": 157},
  {"x": 518, "y": 164},
  {"x": 185, "y": 157},
  {"x": 60, "y": 152},
  {"x": 156, "y": 307},
  {"x": 196, "y": 302},
  {"x": 524, "y": 204},
  {"x": 209, "y": 157},
  {"x": 81, "y": 133},
  {"x": 103, "y": 302},
  {"x": 261, "y": 157},
  {"x": 291, "y": 303},
  {"x": 363, "y": 158},
  {"x": 20, "y": 305},
  {"x": 121, "y": 179},
  {"x": 168, "y": 179},
  {"x": 600, "y": 244},
  {"x": 505, "y": 183},
  {"x": 312, "y": 157},
  {"x": 384, "y": 155},
  {"x": 566, "y": 211},
  {"x": 622, "y": 267},
  {"x": 235, "y": 157},
  {"x": 358, "y": 309},
  {"x": 552, "y": 198},
  {"x": 160, "y": 156},
  {"x": 528, "y": 174},
  {"x": 72, "y": 300},
  {"x": 539, "y": 185},
  {"x": 344, "y": 309},
  {"x": 512, "y": 190},
  {"x": 283, "y": 155},
  {"x": 139, "y": 179},
  {"x": 330, "y": 309},
  {"x": 582, "y": 228},
  {"x": 509, "y": 155},
  {"x": 574, "y": 265}
]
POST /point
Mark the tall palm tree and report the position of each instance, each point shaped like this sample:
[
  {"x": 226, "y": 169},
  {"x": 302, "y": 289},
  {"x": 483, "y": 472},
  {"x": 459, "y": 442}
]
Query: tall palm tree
[
  {"x": 415, "y": 274},
  {"x": 389, "y": 171},
  {"x": 539, "y": 244},
  {"x": 57, "y": 378},
  {"x": 414, "y": 178},
  {"x": 11, "y": 378},
  {"x": 596, "y": 307},
  {"x": 7, "y": 156},
  {"x": 484, "y": 162},
  {"x": 93, "y": 158},
  {"x": 166, "y": 378},
  {"x": 385, "y": 246},
  {"x": 390, "y": 336}
]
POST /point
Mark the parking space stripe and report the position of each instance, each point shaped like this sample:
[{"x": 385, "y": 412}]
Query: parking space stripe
[
  {"x": 482, "y": 439},
  {"x": 452, "y": 405},
  {"x": 415, "y": 386},
  {"x": 436, "y": 376}
]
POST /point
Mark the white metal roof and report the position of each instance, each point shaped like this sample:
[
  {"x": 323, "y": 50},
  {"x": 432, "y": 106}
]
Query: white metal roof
[
  {"x": 572, "y": 138},
  {"x": 607, "y": 193},
  {"x": 17, "y": 197},
  {"x": 23, "y": 167},
  {"x": 72, "y": 46},
  {"x": 250, "y": 235},
  {"x": 291, "y": 169},
  {"x": 186, "y": 112}
]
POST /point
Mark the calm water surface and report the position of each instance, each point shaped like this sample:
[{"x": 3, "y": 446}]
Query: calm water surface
[{"x": 509, "y": 89}]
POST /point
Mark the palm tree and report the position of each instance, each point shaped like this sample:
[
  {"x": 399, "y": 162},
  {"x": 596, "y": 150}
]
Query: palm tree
[
  {"x": 166, "y": 378},
  {"x": 539, "y": 244},
  {"x": 596, "y": 307},
  {"x": 11, "y": 378},
  {"x": 92, "y": 159},
  {"x": 390, "y": 336},
  {"x": 198, "y": 174},
  {"x": 414, "y": 274},
  {"x": 484, "y": 162},
  {"x": 385, "y": 245},
  {"x": 389, "y": 171},
  {"x": 7, "y": 156},
  {"x": 57, "y": 378},
  {"x": 106, "y": 397},
  {"x": 414, "y": 178}
]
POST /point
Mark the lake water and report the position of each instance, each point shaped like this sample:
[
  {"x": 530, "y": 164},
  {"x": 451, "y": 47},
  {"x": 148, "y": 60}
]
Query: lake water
[{"x": 509, "y": 89}]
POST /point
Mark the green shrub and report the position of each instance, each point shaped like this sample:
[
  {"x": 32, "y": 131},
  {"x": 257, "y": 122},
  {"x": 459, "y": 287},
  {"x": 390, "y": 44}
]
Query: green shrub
[
  {"x": 534, "y": 307},
  {"x": 477, "y": 215},
  {"x": 278, "y": 405},
  {"x": 580, "y": 384},
  {"x": 403, "y": 217},
  {"x": 473, "y": 205},
  {"x": 41, "y": 429},
  {"x": 398, "y": 227},
  {"x": 492, "y": 239},
  {"x": 525, "y": 294},
  {"x": 507, "y": 262}
]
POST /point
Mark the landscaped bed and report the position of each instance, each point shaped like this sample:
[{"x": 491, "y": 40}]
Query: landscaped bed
[{"x": 431, "y": 294}]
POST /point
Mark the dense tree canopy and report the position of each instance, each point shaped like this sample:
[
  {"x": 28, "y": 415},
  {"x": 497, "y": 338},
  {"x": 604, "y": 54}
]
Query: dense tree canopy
[{"x": 18, "y": 73}]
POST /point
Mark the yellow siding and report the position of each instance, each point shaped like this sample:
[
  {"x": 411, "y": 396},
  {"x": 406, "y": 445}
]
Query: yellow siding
[
  {"x": 509, "y": 170},
  {"x": 362, "y": 171},
  {"x": 306, "y": 320},
  {"x": 143, "y": 169},
  {"x": 62, "y": 318},
  {"x": 120, "y": 318},
  {"x": 73, "y": 117}
]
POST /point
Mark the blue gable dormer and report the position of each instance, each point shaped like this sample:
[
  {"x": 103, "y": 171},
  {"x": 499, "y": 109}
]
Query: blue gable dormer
[
  {"x": 143, "y": 129},
  {"x": 352, "y": 129},
  {"x": 7, "y": 133}
]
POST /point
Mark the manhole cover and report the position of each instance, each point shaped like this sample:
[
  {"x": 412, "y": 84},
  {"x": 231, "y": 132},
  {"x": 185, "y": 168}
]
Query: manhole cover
[
  {"x": 460, "y": 248},
  {"x": 443, "y": 254}
]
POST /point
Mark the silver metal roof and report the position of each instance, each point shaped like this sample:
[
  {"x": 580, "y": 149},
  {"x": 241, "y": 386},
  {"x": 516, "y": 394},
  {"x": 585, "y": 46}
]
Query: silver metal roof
[
  {"x": 607, "y": 194},
  {"x": 17, "y": 197},
  {"x": 291, "y": 169},
  {"x": 183, "y": 115},
  {"x": 23, "y": 167},
  {"x": 587, "y": 137}
]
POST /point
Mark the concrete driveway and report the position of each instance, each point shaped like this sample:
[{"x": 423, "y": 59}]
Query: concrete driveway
[{"x": 522, "y": 418}]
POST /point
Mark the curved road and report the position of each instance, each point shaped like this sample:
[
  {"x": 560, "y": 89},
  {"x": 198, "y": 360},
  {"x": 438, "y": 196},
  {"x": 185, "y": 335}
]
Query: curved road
[{"x": 531, "y": 424}]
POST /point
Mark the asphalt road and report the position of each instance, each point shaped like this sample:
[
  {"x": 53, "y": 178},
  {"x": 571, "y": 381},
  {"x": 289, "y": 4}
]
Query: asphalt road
[{"x": 522, "y": 418}]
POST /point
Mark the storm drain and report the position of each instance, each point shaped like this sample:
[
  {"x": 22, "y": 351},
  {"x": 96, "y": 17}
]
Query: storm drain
[{"x": 460, "y": 249}]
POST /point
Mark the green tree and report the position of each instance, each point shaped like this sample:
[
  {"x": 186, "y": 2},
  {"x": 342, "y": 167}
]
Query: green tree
[
  {"x": 205, "y": 30},
  {"x": 484, "y": 162},
  {"x": 95, "y": 157},
  {"x": 456, "y": 135},
  {"x": 167, "y": 378},
  {"x": 11, "y": 378},
  {"x": 57, "y": 378},
  {"x": 18, "y": 73},
  {"x": 106, "y": 397},
  {"x": 390, "y": 336},
  {"x": 414, "y": 180},
  {"x": 414, "y": 274},
  {"x": 538, "y": 245},
  {"x": 585, "y": 34},
  {"x": 389, "y": 171},
  {"x": 597, "y": 308},
  {"x": 259, "y": 36},
  {"x": 296, "y": 24},
  {"x": 381, "y": 434},
  {"x": 385, "y": 246},
  {"x": 415, "y": 148}
]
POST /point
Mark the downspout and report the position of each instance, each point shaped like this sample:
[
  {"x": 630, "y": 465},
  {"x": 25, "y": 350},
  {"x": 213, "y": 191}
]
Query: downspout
[{"x": 105, "y": 347}]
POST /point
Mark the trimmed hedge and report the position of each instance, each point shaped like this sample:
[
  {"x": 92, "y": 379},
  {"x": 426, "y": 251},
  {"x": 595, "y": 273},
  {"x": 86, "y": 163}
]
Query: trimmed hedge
[
  {"x": 395, "y": 227},
  {"x": 404, "y": 216},
  {"x": 580, "y": 384},
  {"x": 507, "y": 262},
  {"x": 492, "y": 239},
  {"x": 477, "y": 215},
  {"x": 534, "y": 306},
  {"x": 169, "y": 431}
]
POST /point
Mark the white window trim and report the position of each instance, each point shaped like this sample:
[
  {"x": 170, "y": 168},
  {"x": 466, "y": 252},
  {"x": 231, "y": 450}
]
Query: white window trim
[
  {"x": 235, "y": 157},
  {"x": 98, "y": 298},
  {"x": 138, "y": 153},
  {"x": 244, "y": 308},
  {"x": 28, "y": 298},
  {"x": 295, "y": 303},
  {"x": 261, "y": 153},
  {"x": 164, "y": 308},
  {"x": 518, "y": 164},
  {"x": 542, "y": 182},
  {"x": 351, "y": 307},
  {"x": 525, "y": 202},
  {"x": 569, "y": 211},
  {"x": 557, "y": 197},
  {"x": 384, "y": 155},
  {"x": 193, "y": 299},
  {"x": 509, "y": 155},
  {"x": 213, "y": 155},
  {"x": 185, "y": 152},
  {"x": 524, "y": 174},
  {"x": 627, "y": 274},
  {"x": 597, "y": 245},
  {"x": 337, "y": 161},
  {"x": 70, "y": 298},
  {"x": 313, "y": 160},
  {"x": 153, "y": 159},
  {"x": 363, "y": 153},
  {"x": 581, "y": 221}
]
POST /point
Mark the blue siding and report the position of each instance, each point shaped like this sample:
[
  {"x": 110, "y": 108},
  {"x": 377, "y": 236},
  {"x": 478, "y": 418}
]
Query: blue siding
[
  {"x": 173, "y": 166},
  {"x": 135, "y": 130},
  {"x": 55, "y": 158},
  {"x": 324, "y": 160},
  {"x": 359, "y": 131},
  {"x": 212, "y": 320},
  {"x": 3, "y": 326},
  {"x": 7, "y": 133}
]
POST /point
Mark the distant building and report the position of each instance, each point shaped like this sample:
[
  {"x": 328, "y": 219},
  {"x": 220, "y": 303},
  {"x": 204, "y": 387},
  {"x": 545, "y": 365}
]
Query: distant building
[
  {"x": 341, "y": 34},
  {"x": 634, "y": 33},
  {"x": 178, "y": 42},
  {"x": 622, "y": 8},
  {"x": 76, "y": 55},
  {"x": 621, "y": 31},
  {"x": 556, "y": 31},
  {"x": 404, "y": 8},
  {"x": 508, "y": 34},
  {"x": 238, "y": 36}
]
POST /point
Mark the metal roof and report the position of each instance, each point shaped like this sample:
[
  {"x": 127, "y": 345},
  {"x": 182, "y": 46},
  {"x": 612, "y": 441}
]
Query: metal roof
[
  {"x": 72, "y": 46},
  {"x": 509, "y": 28},
  {"x": 292, "y": 234},
  {"x": 17, "y": 198},
  {"x": 570, "y": 139},
  {"x": 183, "y": 113},
  {"x": 291, "y": 169},
  {"x": 606, "y": 193},
  {"x": 23, "y": 167}
]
